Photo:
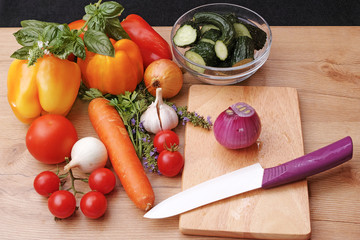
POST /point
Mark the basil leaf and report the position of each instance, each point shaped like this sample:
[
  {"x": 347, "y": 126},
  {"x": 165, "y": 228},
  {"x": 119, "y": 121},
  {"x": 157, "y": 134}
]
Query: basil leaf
[
  {"x": 97, "y": 22},
  {"x": 111, "y": 9},
  {"x": 65, "y": 30},
  {"x": 51, "y": 35},
  {"x": 22, "y": 53},
  {"x": 36, "y": 23},
  {"x": 114, "y": 29},
  {"x": 79, "y": 48},
  {"x": 90, "y": 9},
  {"x": 27, "y": 36},
  {"x": 86, "y": 17},
  {"x": 98, "y": 42}
]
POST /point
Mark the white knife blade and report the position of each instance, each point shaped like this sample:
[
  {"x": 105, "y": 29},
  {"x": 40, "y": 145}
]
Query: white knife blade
[
  {"x": 254, "y": 177},
  {"x": 230, "y": 184}
]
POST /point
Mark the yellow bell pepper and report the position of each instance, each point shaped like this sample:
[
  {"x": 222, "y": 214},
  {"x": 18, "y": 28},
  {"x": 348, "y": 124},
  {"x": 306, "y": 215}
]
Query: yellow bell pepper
[
  {"x": 49, "y": 86},
  {"x": 117, "y": 74}
]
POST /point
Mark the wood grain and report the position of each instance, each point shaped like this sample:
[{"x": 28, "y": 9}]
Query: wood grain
[
  {"x": 321, "y": 63},
  {"x": 280, "y": 213}
]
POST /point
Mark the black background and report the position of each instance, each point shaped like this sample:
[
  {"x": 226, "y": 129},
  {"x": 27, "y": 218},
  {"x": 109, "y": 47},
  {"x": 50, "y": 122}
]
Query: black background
[{"x": 165, "y": 13}]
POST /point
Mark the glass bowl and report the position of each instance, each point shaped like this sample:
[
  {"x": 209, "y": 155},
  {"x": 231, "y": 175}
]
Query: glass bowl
[{"x": 224, "y": 75}]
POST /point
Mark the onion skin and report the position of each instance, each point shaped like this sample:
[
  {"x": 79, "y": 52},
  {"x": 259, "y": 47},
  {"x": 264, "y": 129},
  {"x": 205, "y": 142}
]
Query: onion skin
[
  {"x": 165, "y": 74},
  {"x": 237, "y": 127}
]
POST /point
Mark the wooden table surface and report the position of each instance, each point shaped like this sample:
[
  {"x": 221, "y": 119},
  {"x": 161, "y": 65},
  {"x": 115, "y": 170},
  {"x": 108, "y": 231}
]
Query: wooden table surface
[{"x": 322, "y": 63}]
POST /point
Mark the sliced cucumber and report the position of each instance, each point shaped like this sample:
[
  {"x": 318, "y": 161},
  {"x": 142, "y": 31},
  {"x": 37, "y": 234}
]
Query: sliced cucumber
[
  {"x": 187, "y": 34},
  {"x": 221, "y": 50},
  {"x": 211, "y": 34},
  {"x": 205, "y": 55},
  {"x": 258, "y": 35},
  {"x": 207, "y": 40},
  {"x": 195, "y": 57},
  {"x": 226, "y": 28},
  {"x": 231, "y": 17},
  {"x": 208, "y": 27},
  {"x": 243, "y": 51},
  {"x": 241, "y": 30}
]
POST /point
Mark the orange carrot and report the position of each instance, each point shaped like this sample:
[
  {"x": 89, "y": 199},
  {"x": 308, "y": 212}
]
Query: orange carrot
[{"x": 112, "y": 132}]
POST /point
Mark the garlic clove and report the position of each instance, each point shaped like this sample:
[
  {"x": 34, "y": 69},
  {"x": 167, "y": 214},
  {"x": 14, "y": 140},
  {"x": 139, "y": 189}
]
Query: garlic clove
[
  {"x": 150, "y": 119},
  {"x": 168, "y": 117}
]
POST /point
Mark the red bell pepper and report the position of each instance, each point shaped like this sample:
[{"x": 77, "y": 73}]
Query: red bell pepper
[{"x": 151, "y": 44}]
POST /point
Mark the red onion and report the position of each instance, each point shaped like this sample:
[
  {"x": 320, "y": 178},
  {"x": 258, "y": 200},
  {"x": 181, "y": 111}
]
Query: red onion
[{"x": 238, "y": 126}]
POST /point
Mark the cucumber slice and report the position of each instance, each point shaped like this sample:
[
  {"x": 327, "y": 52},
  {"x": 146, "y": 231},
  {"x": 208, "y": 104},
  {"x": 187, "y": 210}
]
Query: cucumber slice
[
  {"x": 257, "y": 34},
  {"x": 221, "y": 50},
  {"x": 195, "y": 57},
  {"x": 243, "y": 51},
  {"x": 207, "y": 40},
  {"x": 187, "y": 34},
  {"x": 212, "y": 34},
  {"x": 208, "y": 27},
  {"x": 241, "y": 30}
]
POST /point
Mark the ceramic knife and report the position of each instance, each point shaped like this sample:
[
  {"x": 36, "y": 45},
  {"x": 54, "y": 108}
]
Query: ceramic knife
[{"x": 254, "y": 177}]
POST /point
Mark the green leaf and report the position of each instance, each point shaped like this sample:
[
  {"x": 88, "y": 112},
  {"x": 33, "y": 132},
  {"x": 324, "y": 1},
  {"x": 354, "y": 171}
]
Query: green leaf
[
  {"x": 22, "y": 53},
  {"x": 36, "y": 23},
  {"x": 114, "y": 29},
  {"x": 27, "y": 36},
  {"x": 111, "y": 9},
  {"x": 86, "y": 17},
  {"x": 97, "y": 22},
  {"x": 90, "y": 9},
  {"x": 98, "y": 42},
  {"x": 79, "y": 48},
  {"x": 51, "y": 34},
  {"x": 65, "y": 30}
]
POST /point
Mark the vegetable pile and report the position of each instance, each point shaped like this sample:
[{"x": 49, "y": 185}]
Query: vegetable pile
[
  {"x": 219, "y": 40},
  {"x": 120, "y": 67}
]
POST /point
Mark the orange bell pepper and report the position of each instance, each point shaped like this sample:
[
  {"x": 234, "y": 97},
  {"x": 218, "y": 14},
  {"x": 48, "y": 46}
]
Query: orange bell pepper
[
  {"x": 113, "y": 75},
  {"x": 49, "y": 86}
]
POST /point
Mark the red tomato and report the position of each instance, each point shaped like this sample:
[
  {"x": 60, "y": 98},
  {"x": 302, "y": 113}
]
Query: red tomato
[
  {"x": 102, "y": 180},
  {"x": 46, "y": 183},
  {"x": 170, "y": 163},
  {"x": 165, "y": 139},
  {"x": 50, "y": 138},
  {"x": 62, "y": 204},
  {"x": 93, "y": 204}
]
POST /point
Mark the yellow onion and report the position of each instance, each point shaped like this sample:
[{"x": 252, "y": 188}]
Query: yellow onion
[
  {"x": 239, "y": 126},
  {"x": 165, "y": 74}
]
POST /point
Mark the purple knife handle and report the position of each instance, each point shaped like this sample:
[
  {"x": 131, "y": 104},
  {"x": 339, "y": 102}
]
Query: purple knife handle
[{"x": 315, "y": 162}]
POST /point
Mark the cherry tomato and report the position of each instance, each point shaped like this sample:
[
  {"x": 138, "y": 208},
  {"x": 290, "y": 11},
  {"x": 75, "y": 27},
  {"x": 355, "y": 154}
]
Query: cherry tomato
[
  {"x": 50, "y": 138},
  {"x": 62, "y": 204},
  {"x": 165, "y": 139},
  {"x": 170, "y": 163},
  {"x": 46, "y": 183},
  {"x": 93, "y": 204},
  {"x": 102, "y": 180}
]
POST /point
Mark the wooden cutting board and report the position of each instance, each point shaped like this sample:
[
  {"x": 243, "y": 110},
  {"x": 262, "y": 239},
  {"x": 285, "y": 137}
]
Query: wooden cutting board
[{"x": 279, "y": 213}]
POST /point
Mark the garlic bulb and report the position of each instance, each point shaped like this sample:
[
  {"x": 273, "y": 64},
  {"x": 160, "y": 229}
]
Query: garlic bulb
[{"x": 159, "y": 116}]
